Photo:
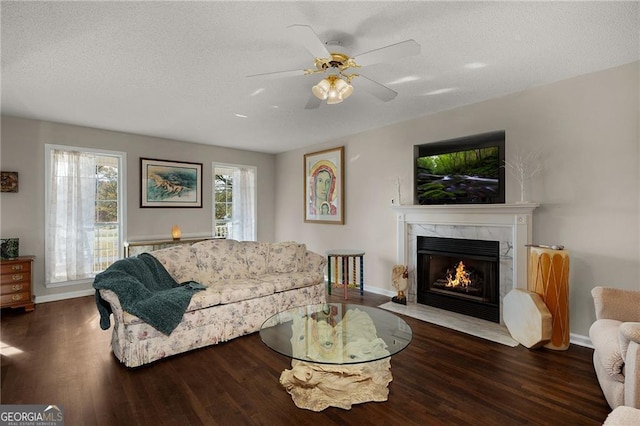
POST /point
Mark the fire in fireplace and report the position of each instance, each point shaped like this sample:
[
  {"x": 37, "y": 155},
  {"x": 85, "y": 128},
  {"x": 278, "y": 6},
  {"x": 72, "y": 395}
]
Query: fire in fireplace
[{"x": 459, "y": 275}]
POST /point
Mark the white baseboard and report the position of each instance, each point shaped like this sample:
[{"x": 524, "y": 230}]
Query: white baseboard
[
  {"x": 381, "y": 291},
  {"x": 64, "y": 296},
  {"x": 580, "y": 340}
]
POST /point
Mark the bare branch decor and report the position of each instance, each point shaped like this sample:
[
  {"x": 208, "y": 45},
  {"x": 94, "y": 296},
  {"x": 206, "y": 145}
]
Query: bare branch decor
[{"x": 524, "y": 166}]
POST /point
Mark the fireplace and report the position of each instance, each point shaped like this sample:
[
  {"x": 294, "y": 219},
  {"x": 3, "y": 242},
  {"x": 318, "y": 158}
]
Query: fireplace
[
  {"x": 459, "y": 275},
  {"x": 510, "y": 224}
]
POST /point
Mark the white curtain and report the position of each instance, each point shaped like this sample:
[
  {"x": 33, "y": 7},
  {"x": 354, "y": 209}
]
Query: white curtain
[
  {"x": 71, "y": 216},
  {"x": 243, "y": 204}
]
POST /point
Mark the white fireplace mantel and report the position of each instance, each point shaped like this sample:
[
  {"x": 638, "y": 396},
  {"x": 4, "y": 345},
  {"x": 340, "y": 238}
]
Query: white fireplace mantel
[
  {"x": 510, "y": 224},
  {"x": 467, "y": 209}
]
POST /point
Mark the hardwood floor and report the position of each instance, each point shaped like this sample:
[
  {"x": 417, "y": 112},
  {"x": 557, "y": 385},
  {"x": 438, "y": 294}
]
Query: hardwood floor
[{"x": 58, "y": 355}]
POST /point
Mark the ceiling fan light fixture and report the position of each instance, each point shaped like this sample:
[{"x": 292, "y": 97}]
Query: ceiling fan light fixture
[
  {"x": 333, "y": 89},
  {"x": 321, "y": 90},
  {"x": 343, "y": 88},
  {"x": 334, "y": 97}
]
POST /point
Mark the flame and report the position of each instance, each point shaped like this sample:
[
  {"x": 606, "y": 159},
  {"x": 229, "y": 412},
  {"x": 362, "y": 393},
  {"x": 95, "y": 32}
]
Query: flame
[{"x": 462, "y": 277}]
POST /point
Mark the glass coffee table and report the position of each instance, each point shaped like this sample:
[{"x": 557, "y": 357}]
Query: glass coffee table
[{"x": 341, "y": 353}]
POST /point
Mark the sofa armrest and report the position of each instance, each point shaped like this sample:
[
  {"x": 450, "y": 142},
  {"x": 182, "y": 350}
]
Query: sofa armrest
[
  {"x": 116, "y": 309},
  {"x": 632, "y": 367},
  {"x": 630, "y": 331},
  {"x": 315, "y": 262},
  {"x": 627, "y": 333},
  {"x": 616, "y": 303}
]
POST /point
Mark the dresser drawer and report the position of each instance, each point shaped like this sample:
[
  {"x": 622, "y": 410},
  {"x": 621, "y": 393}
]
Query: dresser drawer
[
  {"x": 13, "y": 267},
  {"x": 12, "y": 288},
  {"x": 16, "y": 298},
  {"x": 17, "y": 277}
]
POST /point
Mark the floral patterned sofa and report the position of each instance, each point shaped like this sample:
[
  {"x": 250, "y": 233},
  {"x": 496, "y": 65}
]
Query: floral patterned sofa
[{"x": 246, "y": 282}]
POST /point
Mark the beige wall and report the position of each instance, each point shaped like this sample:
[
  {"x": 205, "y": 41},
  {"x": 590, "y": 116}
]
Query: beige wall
[
  {"x": 587, "y": 130},
  {"x": 586, "y": 127},
  {"x": 22, "y": 213}
]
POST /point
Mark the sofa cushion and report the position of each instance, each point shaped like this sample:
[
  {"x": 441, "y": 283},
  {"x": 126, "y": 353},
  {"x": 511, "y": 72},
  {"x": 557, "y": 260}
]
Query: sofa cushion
[
  {"x": 256, "y": 254},
  {"x": 315, "y": 263},
  {"x": 220, "y": 261},
  {"x": 220, "y": 294},
  {"x": 604, "y": 336},
  {"x": 180, "y": 262},
  {"x": 301, "y": 255},
  {"x": 241, "y": 290},
  {"x": 283, "y": 282},
  {"x": 286, "y": 257},
  {"x": 205, "y": 299}
]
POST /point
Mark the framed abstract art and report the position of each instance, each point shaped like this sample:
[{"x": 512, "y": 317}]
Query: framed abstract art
[{"x": 324, "y": 186}]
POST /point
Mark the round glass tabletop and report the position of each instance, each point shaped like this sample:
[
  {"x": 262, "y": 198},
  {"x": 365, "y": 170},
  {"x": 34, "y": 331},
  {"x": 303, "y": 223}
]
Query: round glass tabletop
[{"x": 336, "y": 333}]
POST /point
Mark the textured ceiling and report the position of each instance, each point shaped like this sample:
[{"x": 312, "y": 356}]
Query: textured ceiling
[{"x": 178, "y": 69}]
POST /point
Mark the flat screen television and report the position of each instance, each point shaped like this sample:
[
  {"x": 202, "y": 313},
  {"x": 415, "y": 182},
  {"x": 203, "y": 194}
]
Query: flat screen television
[{"x": 467, "y": 170}]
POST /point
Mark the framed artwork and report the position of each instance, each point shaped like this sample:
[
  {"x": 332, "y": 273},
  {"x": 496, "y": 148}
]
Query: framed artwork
[
  {"x": 170, "y": 183},
  {"x": 8, "y": 181},
  {"x": 324, "y": 186}
]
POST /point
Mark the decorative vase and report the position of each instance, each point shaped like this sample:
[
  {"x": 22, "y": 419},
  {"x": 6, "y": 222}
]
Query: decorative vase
[{"x": 523, "y": 198}]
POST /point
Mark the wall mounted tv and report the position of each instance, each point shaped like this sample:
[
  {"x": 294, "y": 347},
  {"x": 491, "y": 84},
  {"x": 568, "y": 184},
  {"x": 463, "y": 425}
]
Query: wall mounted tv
[{"x": 467, "y": 170}]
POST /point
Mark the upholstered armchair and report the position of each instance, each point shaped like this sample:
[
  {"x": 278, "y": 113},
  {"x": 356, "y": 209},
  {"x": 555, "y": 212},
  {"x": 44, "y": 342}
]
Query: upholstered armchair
[{"x": 616, "y": 338}]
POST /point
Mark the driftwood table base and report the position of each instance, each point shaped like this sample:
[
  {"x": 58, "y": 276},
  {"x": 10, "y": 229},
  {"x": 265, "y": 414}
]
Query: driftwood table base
[{"x": 318, "y": 386}]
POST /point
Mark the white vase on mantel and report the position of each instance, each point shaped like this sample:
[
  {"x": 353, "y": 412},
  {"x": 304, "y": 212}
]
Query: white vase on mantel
[{"x": 523, "y": 198}]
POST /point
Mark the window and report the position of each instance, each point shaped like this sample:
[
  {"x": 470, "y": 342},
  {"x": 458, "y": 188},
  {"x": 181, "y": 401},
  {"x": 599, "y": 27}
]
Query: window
[
  {"x": 84, "y": 216},
  {"x": 223, "y": 187},
  {"x": 234, "y": 207}
]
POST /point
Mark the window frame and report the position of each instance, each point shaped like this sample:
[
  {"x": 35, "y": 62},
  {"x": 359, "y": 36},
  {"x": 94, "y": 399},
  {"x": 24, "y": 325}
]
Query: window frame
[
  {"x": 122, "y": 208},
  {"x": 215, "y": 165}
]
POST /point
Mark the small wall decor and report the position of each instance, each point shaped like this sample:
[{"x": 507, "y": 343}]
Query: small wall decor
[
  {"x": 324, "y": 186},
  {"x": 9, "y": 248},
  {"x": 8, "y": 181},
  {"x": 170, "y": 183}
]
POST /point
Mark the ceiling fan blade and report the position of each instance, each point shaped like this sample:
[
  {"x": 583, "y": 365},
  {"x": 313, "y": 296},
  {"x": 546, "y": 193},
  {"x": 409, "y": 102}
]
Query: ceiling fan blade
[
  {"x": 313, "y": 102},
  {"x": 388, "y": 53},
  {"x": 310, "y": 40},
  {"x": 277, "y": 74},
  {"x": 378, "y": 90}
]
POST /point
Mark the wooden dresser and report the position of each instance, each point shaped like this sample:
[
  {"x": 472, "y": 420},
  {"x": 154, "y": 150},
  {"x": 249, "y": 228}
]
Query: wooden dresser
[{"x": 16, "y": 283}]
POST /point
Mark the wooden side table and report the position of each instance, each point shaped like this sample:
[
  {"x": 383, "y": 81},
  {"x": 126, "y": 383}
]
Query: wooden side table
[
  {"x": 16, "y": 283},
  {"x": 343, "y": 258}
]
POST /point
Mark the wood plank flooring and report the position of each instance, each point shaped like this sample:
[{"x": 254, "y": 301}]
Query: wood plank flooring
[{"x": 59, "y": 355}]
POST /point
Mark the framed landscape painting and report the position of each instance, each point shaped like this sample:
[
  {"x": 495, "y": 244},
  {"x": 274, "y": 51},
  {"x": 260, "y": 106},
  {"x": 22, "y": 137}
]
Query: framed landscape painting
[
  {"x": 324, "y": 186},
  {"x": 170, "y": 183}
]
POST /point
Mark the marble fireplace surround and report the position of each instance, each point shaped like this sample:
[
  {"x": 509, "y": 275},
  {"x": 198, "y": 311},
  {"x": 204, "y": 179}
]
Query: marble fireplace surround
[{"x": 510, "y": 224}]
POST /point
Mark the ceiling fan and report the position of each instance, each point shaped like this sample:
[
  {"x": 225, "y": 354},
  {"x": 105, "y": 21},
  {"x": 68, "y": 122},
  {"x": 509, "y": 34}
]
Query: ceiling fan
[{"x": 340, "y": 68}]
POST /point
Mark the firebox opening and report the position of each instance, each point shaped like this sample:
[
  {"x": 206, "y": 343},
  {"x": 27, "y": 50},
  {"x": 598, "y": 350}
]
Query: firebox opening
[{"x": 459, "y": 275}]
